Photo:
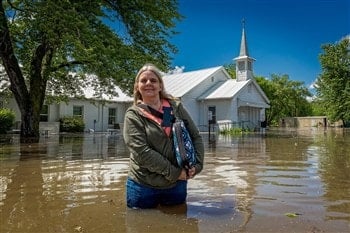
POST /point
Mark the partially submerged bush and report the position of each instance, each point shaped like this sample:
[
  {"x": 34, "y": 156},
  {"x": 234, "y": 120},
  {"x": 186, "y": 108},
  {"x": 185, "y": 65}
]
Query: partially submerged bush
[
  {"x": 72, "y": 124},
  {"x": 235, "y": 131},
  {"x": 7, "y": 119}
]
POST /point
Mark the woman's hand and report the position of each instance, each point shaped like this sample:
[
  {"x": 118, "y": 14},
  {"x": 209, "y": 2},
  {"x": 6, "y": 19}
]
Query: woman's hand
[
  {"x": 191, "y": 173},
  {"x": 183, "y": 175},
  {"x": 187, "y": 174}
]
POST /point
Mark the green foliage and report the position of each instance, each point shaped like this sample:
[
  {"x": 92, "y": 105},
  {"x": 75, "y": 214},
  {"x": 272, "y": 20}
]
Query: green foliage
[
  {"x": 318, "y": 108},
  {"x": 50, "y": 47},
  {"x": 231, "y": 70},
  {"x": 288, "y": 98},
  {"x": 110, "y": 39},
  {"x": 235, "y": 131},
  {"x": 72, "y": 124},
  {"x": 333, "y": 85},
  {"x": 7, "y": 119},
  {"x": 274, "y": 123}
]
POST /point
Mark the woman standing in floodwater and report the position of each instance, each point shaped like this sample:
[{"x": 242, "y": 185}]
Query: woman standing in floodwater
[{"x": 155, "y": 178}]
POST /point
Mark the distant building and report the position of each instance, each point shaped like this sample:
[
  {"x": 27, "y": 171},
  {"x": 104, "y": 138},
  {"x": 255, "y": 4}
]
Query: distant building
[{"x": 99, "y": 114}]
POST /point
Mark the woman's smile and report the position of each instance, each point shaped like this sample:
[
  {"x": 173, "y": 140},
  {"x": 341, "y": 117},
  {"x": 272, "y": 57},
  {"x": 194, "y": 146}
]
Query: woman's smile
[{"x": 149, "y": 85}]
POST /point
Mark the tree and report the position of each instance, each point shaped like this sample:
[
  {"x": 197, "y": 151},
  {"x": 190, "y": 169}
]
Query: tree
[
  {"x": 333, "y": 85},
  {"x": 288, "y": 98},
  {"x": 48, "y": 47},
  {"x": 318, "y": 108},
  {"x": 231, "y": 69}
]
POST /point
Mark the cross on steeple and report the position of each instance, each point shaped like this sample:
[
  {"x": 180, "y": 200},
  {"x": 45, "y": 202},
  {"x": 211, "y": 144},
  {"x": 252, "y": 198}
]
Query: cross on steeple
[{"x": 243, "y": 23}]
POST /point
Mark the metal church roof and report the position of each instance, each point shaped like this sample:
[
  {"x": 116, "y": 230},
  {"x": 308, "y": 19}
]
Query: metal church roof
[
  {"x": 181, "y": 83},
  {"x": 226, "y": 90}
]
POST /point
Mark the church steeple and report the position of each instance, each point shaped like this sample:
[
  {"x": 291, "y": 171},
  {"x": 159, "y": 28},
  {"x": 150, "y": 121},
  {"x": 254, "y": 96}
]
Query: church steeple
[
  {"x": 244, "y": 47},
  {"x": 244, "y": 63}
]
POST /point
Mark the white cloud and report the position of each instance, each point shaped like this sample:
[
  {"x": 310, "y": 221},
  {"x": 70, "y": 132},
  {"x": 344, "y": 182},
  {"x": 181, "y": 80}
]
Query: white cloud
[
  {"x": 311, "y": 98},
  {"x": 313, "y": 85},
  {"x": 177, "y": 70}
]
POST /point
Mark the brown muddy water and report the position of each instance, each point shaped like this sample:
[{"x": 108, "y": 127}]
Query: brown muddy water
[{"x": 283, "y": 181}]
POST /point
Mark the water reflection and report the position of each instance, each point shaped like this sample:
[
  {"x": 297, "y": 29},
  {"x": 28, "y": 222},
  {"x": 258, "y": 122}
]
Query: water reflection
[
  {"x": 75, "y": 183},
  {"x": 334, "y": 169}
]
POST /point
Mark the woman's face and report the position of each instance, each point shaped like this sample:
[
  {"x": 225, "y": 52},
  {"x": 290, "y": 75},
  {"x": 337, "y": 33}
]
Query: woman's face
[{"x": 148, "y": 85}]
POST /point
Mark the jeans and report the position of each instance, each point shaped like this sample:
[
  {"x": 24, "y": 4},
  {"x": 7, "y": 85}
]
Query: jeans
[{"x": 140, "y": 196}]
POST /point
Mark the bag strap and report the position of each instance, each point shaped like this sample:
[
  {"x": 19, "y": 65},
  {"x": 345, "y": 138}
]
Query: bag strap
[{"x": 167, "y": 117}]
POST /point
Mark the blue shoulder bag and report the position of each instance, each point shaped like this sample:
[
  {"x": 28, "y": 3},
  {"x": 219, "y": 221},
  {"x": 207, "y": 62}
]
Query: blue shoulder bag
[{"x": 184, "y": 149}]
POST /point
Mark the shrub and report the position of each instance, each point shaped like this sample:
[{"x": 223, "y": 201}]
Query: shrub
[
  {"x": 7, "y": 119},
  {"x": 72, "y": 124},
  {"x": 235, "y": 131}
]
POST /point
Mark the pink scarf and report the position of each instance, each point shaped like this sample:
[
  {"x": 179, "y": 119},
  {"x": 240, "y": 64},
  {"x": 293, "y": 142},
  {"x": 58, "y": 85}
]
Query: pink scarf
[{"x": 165, "y": 103}]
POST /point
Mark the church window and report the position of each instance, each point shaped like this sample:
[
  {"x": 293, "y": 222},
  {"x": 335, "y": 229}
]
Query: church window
[
  {"x": 250, "y": 65},
  {"x": 241, "y": 65}
]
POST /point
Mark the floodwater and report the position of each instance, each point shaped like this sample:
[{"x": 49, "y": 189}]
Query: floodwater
[{"x": 282, "y": 181}]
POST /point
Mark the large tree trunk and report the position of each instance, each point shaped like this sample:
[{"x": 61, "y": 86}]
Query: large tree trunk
[
  {"x": 29, "y": 103},
  {"x": 29, "y": 126}
]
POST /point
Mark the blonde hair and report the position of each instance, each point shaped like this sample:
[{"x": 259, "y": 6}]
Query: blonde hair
[{"x": 162, "y": 94}]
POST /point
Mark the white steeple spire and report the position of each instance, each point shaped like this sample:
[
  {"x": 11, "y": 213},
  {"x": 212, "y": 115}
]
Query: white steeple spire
[
  {"x": 244, "y": 48},
  {"x": 244, "y": 63}
]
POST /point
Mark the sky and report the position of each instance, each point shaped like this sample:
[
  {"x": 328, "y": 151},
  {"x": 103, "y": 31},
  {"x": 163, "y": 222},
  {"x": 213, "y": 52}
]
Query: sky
[{"x": 284, "y": 36}]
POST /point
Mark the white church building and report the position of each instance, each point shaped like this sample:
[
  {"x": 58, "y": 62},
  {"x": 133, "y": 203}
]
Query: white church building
[
  {"x": 210, "y": 95},
  {"x": 213, "y": 97}
]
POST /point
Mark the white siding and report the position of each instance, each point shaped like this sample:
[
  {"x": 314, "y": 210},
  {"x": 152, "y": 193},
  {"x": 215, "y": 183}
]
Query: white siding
[
  {"x": 251, "y": 94},
  {"x": 95, "y": 113},
  {"x": 224, "y": 111},
  {"x": 54, "y": 112}
]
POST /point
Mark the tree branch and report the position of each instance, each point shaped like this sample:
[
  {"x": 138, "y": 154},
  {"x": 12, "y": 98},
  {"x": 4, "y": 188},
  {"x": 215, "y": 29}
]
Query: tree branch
[{"x": 70, "y": 64}]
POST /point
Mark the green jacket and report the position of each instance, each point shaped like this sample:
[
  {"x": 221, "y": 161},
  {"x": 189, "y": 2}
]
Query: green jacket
[{"x": 152, "y": 157}]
